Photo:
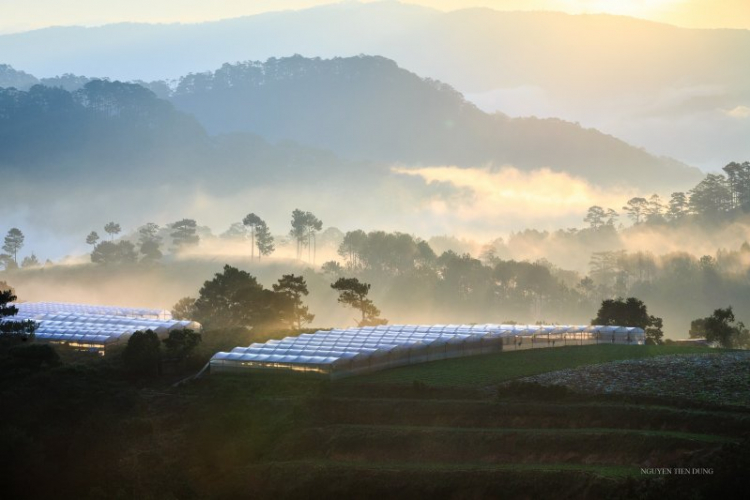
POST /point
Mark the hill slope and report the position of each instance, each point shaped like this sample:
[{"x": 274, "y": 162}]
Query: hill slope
[
  {"x": 364, "y": 108},
  {"x": 113, "y": 134},
  {"x": 369, "y": 108}
]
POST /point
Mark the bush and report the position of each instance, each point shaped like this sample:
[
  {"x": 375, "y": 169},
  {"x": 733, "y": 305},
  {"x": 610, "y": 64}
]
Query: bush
[
  {"x": 142, "y": 355},
  {"x": 181, "y": 343},
  {"x": 34, "y": 356}
]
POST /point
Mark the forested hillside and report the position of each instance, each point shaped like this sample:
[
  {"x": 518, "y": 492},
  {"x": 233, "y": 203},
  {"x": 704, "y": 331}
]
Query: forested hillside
[
  {"x": 364, "y": 108},
  {"x": 369, "y": 108},
  {"x": 110, "y": 131}
]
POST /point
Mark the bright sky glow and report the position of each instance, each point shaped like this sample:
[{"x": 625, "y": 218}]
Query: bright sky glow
[
  {"x": 635, "y": 8},
  {"x": 24, "y": 15}
]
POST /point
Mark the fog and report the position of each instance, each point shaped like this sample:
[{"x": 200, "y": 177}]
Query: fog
[
  {"x": 699, "y": 124},
  {"x": 525, "y": 216},
  {"x": 476, "y": 205},
  {"x": 479, "y": 204},
  {"x": 502, "y": 199}
]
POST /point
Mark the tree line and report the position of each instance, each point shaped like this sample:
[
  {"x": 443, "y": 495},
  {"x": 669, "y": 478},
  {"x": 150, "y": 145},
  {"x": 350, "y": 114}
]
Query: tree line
[
  {"x": 184, "y": 234},
  {"x": 235, "y": 299},
  {"x": 148, "y": 246},
  {"x": 717, "y": 198},
  {"x": 410, "y": 279}
]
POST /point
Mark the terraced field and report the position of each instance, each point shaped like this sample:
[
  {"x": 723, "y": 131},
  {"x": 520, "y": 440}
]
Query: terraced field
[
  {"x": 442, "y": 430},
  {"x": 467, "y": 428}
]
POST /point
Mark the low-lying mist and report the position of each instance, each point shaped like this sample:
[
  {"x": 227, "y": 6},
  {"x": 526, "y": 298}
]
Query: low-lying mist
[
  {"x": 479, "y": 204},
  {"x": 491, "y": 213},
  {"x": 521, "y": 213}
]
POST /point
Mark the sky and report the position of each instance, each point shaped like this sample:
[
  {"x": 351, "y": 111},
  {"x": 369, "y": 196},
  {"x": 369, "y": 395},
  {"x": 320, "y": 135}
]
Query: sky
[{"x": 17, "y": 15}]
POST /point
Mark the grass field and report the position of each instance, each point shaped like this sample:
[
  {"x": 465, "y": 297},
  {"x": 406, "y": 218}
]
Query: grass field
[
  {"x": 493, "y": 369},
  {"x": 377, "y": 436}
]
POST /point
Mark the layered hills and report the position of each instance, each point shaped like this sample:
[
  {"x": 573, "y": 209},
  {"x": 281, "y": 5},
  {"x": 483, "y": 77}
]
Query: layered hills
[{"x": 363, "y": 108}]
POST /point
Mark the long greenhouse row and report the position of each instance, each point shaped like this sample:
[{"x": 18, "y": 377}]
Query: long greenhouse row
[
  {"x": 66, "y": 307},
  {"x": 352, "y": 351},
  {"x": 94, "y": 328}
]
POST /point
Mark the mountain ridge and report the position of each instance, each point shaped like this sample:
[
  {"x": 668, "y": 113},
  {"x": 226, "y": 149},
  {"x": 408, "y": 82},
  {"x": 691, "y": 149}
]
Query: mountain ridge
[
  {"x": 367, "y": 108},
  {"x": 367, "y": 19},
  {"x": 614, "y": 73}
]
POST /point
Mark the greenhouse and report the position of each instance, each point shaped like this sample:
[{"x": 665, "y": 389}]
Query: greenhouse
[
  {"x": 64, "y": 307},
  {"x": 94, "y": 328},
  {"x": 341, "y": 353}
]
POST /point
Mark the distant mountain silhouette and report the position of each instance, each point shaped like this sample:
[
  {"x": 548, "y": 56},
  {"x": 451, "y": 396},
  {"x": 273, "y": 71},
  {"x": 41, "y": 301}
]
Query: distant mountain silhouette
[
  {"x": 474, "y": 49},
  {"x": 364, "y": 108},
  {"x": 368, "y": 108},
  {"x": 650, "y": 84},
  {"x": 108, "y": 133}
]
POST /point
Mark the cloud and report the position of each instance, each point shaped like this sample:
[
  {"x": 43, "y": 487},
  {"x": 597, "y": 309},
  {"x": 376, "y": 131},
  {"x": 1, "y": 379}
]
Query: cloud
[
  {"x": 510, "y": 198},
  {"x": 738, "y": 112}
]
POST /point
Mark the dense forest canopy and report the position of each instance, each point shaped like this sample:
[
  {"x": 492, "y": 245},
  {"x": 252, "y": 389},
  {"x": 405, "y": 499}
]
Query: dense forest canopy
[{"x": 50, "y": 131}]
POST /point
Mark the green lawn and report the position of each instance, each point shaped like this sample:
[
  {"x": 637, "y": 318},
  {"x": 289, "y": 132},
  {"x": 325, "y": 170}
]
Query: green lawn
[{"x": 500, "y": 367}]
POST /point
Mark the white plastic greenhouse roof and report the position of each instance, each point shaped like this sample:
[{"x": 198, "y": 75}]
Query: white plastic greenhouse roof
[
  {"x": 65, "y": 307},
  {"x": 98, "y": 325},
  {"x": 338, "y": 346}
]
